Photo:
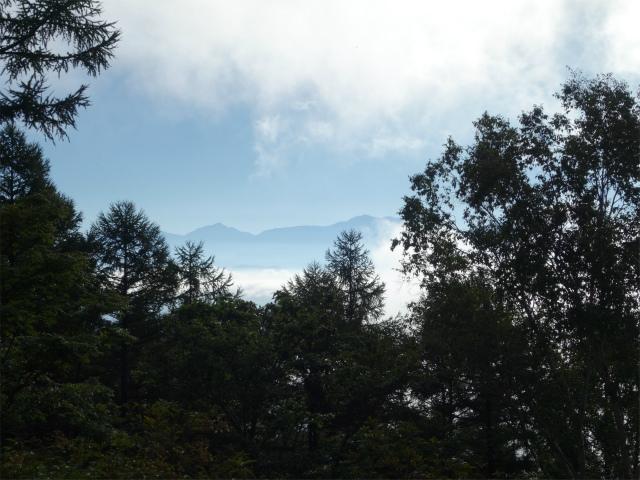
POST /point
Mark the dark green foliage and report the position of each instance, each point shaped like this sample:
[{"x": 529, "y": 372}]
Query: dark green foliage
[
  {"x": 473, "y": 361},
  {"x": 339, "y": 377},
  {"x": 199, "y": 279},
  {"x": 400, "y": 450},
  {"x": 237, "y": 377},
  {"x": 24, "y": 171},
  {"x": 352, "y": 268},
  {"x": 292, "y": 382},
  {"x": 155, "y": 441},
  {"x": 28, "y": 31},
  {"x": 220, "y": 354},
  {"x": 550, "y": 223},
  {"x": 52, "y": 307},
  {"x": 519, "y": 359},
  {"x": 309, "y": 313},
  {"x": 132, "y": 258}
]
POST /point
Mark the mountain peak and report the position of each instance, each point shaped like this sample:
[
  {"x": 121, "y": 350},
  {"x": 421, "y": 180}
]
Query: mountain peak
[{"x": 288, "y": 247}]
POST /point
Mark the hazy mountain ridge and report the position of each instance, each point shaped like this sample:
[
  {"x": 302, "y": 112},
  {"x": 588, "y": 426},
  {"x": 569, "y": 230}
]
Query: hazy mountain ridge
[{"x": 284, "y": 247}]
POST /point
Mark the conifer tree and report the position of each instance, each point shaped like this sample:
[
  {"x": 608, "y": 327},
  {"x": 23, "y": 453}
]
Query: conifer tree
[
  {"x": 52, "y": 309},
  {"x": 28, "y": 31},
  {"x": 198, "y": 277},
  {"x": 133, "y": 258},
  {"x": 363, "y": 290}
]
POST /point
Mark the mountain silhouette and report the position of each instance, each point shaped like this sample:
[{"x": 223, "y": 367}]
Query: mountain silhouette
[{"x": 278, "y": 248}]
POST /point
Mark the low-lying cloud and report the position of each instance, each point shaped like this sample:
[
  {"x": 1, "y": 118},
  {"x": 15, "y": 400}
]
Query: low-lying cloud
[{"x": 259, "y": 285}]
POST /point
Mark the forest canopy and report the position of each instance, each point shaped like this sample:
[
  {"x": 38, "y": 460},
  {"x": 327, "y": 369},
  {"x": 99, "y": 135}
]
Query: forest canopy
[{"x": 121, "y": 358}]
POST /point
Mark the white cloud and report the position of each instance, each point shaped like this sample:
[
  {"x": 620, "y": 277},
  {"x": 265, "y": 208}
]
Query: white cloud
[
  {"x": 385, "y": 142},
  {"x": 267, "y": 160},
  {"x": 316, "y": 130},
  {"x": 622, "y": 37},
  {"x": 400, "y": 290},
  {"x": 268, "y": 128},
  {"x": 337, "y": 73},
  {"x": 259, "y": 285}
]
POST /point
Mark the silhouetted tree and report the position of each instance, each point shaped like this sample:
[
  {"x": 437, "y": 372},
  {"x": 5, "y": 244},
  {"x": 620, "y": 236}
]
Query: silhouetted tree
[
  {"x": 550, "y": 219},
  {"x": 199, "y": 279},
  {"x": 28, "y": 31},
  {"x": 53, "y": 309},
  {"x": 362, "y": 289},
  {"x": 24, "y": 170},
  {"x": 133, "y": 258}
]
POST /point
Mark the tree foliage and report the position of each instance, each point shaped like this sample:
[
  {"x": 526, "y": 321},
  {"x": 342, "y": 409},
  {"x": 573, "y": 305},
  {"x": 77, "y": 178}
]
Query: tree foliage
[
  {"x": 198, "y": 278},
  {"x": 354, "y": 271},
  {"x": 24, "y": 170},
  {"x": 31, "y": 34},
  {"x": 133, "y": 258},
  {"x": 519, "y": 359},
  {"x": 550, "y": 220},
  {"x": 341, "y": 376},
  {"x": 53, "y": 310}
]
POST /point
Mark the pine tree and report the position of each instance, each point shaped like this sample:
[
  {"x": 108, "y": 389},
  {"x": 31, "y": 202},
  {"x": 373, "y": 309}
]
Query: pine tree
[
  {"x": 199, "y": 279},
  {"x": 53, "y": 311},
  {"x": 363, "y": 291},
  {"x": 27, "y": 28},
  {"x": 133, "y": 258}
]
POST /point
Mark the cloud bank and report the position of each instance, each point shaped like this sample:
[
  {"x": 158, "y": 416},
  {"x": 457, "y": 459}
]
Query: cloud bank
[{"x": 259, "y": 284}]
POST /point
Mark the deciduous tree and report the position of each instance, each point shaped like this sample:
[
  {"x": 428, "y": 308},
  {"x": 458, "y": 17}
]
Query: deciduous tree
[{"x": 550, "y": 218}]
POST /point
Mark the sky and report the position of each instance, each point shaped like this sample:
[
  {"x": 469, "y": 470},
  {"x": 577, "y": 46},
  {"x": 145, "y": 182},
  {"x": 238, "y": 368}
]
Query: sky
[
  {"x": 269, "y": 114},
  {"x": 264, "y": 114}
]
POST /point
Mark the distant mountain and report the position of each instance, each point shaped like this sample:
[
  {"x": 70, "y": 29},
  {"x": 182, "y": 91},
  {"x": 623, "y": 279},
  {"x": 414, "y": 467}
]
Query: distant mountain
[{"x": 279, "y": 248}]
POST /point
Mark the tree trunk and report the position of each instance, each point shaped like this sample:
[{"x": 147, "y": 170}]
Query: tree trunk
[{"x": 123, "y": 375}]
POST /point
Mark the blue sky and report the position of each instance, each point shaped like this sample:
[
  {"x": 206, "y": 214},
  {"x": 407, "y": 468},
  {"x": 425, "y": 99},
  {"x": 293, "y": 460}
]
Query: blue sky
[{"x": 268, "y": 114}]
